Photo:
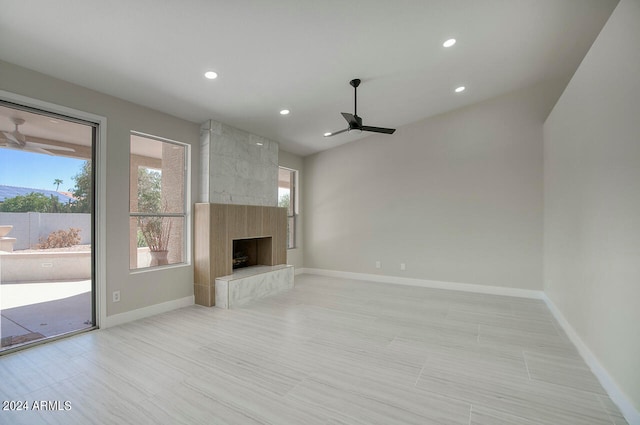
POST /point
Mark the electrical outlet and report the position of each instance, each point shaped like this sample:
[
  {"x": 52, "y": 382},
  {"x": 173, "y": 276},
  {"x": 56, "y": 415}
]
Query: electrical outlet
[
  {"x": 378, "y": 265},
  {"x": 116, "y": 296},
  {"x": 403, "y": 266}
]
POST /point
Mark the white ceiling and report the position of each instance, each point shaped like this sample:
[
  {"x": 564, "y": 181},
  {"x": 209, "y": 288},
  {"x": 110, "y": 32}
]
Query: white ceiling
[{"x": 300, "y": 55}]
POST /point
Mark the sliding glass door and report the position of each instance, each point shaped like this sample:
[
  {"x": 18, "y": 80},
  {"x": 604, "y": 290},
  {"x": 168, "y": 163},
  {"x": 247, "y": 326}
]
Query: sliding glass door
[{"x": 47, "y": 225}]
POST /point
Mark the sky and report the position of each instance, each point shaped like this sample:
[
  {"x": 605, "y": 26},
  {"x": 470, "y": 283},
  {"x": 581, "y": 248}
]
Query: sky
[{"x": 36, "y": 170}]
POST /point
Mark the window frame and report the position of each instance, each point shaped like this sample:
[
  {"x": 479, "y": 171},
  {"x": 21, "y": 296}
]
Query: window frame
[
  {"x": 185, "y": 215},
  {"x": 293, "y": 207}
]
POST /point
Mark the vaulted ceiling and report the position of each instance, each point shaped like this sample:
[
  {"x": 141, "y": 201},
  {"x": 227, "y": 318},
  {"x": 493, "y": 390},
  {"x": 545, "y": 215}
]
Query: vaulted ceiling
[{"x": 300, "y": 55}]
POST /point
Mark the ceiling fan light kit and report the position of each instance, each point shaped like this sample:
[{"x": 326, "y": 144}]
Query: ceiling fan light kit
[{"x": 354, "y": 121}]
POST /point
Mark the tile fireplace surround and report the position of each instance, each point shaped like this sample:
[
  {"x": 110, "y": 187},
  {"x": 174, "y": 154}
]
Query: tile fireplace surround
[{"x": 217, "y": 225}]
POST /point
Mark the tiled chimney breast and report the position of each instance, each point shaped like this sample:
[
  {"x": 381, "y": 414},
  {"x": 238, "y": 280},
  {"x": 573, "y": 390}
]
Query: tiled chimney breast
[{"x": 237, "y": 167}]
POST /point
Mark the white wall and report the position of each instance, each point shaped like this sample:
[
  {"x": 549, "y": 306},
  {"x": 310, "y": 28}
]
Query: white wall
[
  {"x": 457, "y": 197},
  {"x": 138, "y": 290},
  {"x": 295, "y": 256},
  {"x": 592, "y": 200}
]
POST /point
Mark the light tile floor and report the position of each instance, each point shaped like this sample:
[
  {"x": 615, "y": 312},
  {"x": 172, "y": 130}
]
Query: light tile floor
[{"x": 329, "y": 352}]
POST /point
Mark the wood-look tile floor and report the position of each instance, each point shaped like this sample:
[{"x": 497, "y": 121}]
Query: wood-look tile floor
[{"x": 329, "y": 352}]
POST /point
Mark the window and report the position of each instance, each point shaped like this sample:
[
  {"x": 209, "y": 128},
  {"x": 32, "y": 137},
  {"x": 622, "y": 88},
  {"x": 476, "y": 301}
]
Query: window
[
  {"x": 157, "y": 202},
  {"x": 287, "y": 198}
]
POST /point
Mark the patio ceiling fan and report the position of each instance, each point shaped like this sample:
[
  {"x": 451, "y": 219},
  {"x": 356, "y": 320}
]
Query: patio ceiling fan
[
  {"x": 18, "y": 141},
  {"x": 354, "y": 121}
]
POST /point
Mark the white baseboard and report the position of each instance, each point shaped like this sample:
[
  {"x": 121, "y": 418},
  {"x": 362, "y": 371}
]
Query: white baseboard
[
  {"x": 617, "y": 396},
  {"x": 152, "y": 310},
  {"x": 396, "y": 280}
]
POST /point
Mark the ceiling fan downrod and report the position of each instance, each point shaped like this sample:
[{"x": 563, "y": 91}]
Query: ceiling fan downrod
[{"x": 355, "y": 83}]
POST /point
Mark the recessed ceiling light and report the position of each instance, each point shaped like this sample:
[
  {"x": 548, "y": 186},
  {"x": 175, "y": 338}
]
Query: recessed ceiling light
[
  {"x": 327, "y": 134},
  {"x": 211, "y": 75},
  {"x": 450, "y": 42},
  {"x": 259, "y": 143},
  {"x": 460, "y": 89},
  {"x": 284, "y": 112}
]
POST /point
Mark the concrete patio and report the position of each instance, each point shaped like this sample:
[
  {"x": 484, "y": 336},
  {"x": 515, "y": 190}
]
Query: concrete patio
[{"x": 33, "y": 310}]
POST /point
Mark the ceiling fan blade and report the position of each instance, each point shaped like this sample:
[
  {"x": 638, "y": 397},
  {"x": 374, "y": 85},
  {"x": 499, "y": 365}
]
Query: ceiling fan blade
[
  {"x": 18, "y": 141},
  {"x": 378, "y": 129},
  {"x": 27, "y": 149},
  {"x": 350, "y": 119},
  {"x": 11, "y": 137},
  {"x": 30, "y": 145},
  {"x": 38, "y": 150},
  {"x": 337, "y": 132}
]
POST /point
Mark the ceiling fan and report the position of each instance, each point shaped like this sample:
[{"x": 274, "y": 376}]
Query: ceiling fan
[
  {"x": 355, "y": 122},
  {"x": 17, "y": 140}
]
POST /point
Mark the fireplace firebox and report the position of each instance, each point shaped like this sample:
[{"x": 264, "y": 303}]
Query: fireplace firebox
[{"x": 251, "y": 252}]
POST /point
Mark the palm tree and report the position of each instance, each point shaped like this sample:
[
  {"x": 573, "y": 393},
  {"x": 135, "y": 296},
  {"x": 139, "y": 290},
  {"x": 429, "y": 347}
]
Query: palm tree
[{"x": 57, "y": 182}]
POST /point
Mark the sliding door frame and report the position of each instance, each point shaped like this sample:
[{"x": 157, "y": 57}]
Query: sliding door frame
[{"x": 99, "y": 209}]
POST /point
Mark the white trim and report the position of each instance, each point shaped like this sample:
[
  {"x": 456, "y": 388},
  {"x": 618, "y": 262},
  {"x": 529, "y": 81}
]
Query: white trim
[
  {"x": 100, "y": 244},
  {"x": 101, "y": 220},
  {"x": 466, "y": 287},
  {"x": 152, "y": 310},
  {"x": 298, "y": 271},
  {"x": 615, "y": 393}
]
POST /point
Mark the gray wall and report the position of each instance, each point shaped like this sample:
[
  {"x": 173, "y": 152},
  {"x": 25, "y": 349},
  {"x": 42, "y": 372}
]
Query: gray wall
[
  {"x": 140, "y": 289},
  {"x": 29, "y": 228},
  {"x": 592, "y": 200},
  {"x": 457, "y": 197},
  {"x": 235, "y": 169},
  {"x": 295, "y": 256}
]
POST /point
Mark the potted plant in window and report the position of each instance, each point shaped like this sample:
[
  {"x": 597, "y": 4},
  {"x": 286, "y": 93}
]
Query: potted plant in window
[{"x": 156, "y": 232}]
